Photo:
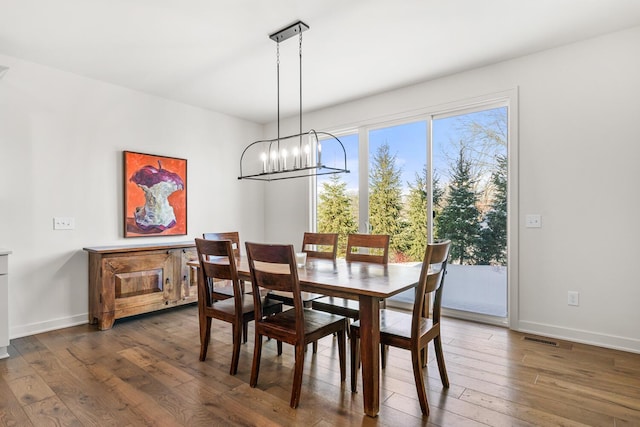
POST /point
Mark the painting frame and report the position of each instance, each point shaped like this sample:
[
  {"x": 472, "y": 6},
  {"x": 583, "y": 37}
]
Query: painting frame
[{"x": 155, "y": 195}]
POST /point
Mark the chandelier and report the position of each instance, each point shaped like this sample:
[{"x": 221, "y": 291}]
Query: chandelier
[{"x": 292, "y": 156}]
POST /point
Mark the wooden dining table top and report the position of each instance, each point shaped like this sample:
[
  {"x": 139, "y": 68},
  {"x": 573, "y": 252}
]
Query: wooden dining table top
[{"x": 346, "y": 279}]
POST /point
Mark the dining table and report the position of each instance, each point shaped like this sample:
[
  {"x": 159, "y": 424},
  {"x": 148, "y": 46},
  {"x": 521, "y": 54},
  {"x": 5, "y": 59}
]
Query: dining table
[{"x": 365, "y": 282}]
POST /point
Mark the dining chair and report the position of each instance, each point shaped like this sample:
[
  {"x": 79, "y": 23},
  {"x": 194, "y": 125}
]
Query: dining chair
[
  {"x": 315, "y": 245},
  {"x": 218, "y": 262},
  {"x": 372, "y": 248},
  {"x": 323, "y": 246},
  {"x": 234, "y": 236},
  {"x": 224, "y": 289},
  {"x": 320, "y": 245},
  {"x": 414, "y": 331},
  {"x": 274, "y": 267}
]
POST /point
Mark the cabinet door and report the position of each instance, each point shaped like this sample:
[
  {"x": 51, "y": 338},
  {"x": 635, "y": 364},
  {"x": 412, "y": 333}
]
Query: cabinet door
[
  {"x": 141, "y": 282},
  {"x": 188, "y": 276}
]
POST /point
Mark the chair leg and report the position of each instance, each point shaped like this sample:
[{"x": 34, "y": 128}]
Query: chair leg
[
  {"x": 245, "y": 331},
  {"x": 355, "y": 361},
  {"x": 424, "y": 356},
  {"x": 255, "y": 368},
  {"x": 383, "y": 355},
  {"x": 237, "y": 337},
  {"x": 419, "y": 379},
  {"x": 437, "y": 343},
  {"x": 279, "y": 345},
  {"x": 205, "y": 335},
  {"x": 342, "y": 341},
  {"x": 315, "y": 347},
  {"x": 297, "y": 376}
]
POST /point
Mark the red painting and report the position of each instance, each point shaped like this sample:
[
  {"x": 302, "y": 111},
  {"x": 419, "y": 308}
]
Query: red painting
[{"x": 155, "y": 195}]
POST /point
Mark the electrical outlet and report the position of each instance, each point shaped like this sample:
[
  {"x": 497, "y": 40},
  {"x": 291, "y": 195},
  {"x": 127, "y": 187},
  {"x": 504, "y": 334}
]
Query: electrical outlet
[
  {"x": 573, "y": 298},
  {"x": 64, "y": 223},
  {"x": 533, "y": 221}
]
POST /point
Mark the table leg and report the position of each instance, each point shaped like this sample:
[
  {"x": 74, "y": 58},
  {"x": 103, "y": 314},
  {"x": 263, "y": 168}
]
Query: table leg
[{"x": 370, "y": 353}]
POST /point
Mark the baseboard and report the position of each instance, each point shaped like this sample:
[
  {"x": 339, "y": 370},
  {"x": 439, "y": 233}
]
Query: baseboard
[
  {"x": 584, "y": 337},
  {"x": 49, "y": 325}
]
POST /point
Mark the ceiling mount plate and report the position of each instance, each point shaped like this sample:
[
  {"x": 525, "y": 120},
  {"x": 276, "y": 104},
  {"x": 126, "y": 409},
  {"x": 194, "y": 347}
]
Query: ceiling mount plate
[{"x": 290, "y": 31}]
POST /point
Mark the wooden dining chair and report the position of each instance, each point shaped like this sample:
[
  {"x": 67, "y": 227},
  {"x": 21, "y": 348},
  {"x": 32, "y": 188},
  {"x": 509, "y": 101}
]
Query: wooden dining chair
[
  {"x": 218, "y": 262},
  {"x": 320, "y": 245},
  {"x": 234, "y": 236},
  {"x": 315, "y": 245},
  {"x": 323, "y": 246},
  {"x": 414, "y": 331},
  {"x": 224, "y": 289},
  {"x": 274, "y": 267},
  {"x": 368, "y": 248},
  {"x": 372, "y": 248}
]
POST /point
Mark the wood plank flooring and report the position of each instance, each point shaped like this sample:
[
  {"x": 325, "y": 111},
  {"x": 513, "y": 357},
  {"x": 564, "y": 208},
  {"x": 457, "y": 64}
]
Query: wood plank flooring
[{"x": 145, "y": 371}]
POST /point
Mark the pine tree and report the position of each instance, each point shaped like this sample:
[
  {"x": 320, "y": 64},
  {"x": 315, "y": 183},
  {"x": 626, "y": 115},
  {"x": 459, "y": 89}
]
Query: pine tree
[
  {"x": 438, "y": 195},
  {"x": 335, "y": 213},
  {"x": 416, "y": 231},
  {"x": 385, "y": 197},
  {"x": 493, "y": 235},
  {"x": 458, "y": 220}
]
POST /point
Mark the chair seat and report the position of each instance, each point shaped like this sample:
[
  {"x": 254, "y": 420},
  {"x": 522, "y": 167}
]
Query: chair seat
[
  {"x": 341, "y": 306},
  {"x": 397, "y": 324},
  {"x": 285, "y": 297},
  {"x": 228, "y": 305},
  {"x": 315, "y": 323}
]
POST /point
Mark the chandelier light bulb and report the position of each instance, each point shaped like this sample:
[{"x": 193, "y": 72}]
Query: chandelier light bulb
[
  {"x": 307, "y": 154},
  {"x": 263, "y": 157},
  {"x": 296, "y": 153}
]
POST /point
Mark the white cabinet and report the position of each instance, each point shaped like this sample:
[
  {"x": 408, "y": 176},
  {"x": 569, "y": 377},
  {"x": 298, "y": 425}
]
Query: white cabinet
[{"x": 4, "y": 303}]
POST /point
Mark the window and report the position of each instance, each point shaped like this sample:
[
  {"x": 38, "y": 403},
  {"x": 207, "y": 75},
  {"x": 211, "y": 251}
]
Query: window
[{"x": 431, "y": 177}]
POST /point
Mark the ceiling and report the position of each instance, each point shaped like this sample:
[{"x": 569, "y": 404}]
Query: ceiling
[{"x": 216, "y": 54}]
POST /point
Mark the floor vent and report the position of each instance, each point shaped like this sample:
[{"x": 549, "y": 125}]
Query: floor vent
[{"x": 541, "y": 341}]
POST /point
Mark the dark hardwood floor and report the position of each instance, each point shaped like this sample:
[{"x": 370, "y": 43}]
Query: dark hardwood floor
[{"x": 145, "y": 371}]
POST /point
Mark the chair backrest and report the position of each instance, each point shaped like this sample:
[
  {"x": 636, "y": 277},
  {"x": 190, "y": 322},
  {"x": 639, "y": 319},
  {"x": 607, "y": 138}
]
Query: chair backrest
[
  {"x": 376, "y": 248},
  {"x": 273, "y": 267},
  {"x": 217, "y": 261},
  {"x": 434, "y": 269},
  {"x": 320, "y": 245},
  {"x": 234, "y": 236}
]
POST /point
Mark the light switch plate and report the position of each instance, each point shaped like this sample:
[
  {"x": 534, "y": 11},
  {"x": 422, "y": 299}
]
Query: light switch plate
[
  {"x": 533, "y": 221},
  {"x": 573, "y": 298},
  {"x": 64, "y": 223}
]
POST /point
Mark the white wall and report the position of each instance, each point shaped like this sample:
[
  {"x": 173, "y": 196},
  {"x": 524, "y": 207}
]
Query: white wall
[
  {"x": 61, "y": 143},
  {"x": 579, "y": 155}
]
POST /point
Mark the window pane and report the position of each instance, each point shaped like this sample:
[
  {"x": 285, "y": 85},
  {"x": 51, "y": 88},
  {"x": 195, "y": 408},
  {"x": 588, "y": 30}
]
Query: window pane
[
  {"x": 337, "y": 194},
  {"x": 397, "y": 200}
]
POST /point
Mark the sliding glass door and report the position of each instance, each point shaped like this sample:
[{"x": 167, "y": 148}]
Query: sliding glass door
[
  {"x": 470, "y": 181},
  {"x": 433, "y": 177}
]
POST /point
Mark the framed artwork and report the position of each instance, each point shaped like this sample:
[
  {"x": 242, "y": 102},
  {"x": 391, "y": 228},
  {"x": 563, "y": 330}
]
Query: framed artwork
[{"x": 155, "y": 195}]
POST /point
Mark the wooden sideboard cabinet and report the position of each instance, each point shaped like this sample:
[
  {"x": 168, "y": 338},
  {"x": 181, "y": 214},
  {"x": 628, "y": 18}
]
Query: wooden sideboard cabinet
[{"x": 129, "y": 280}]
